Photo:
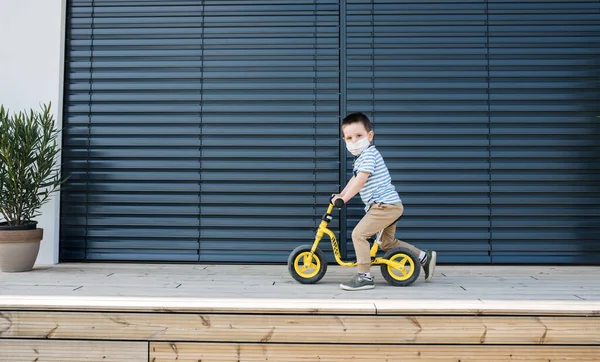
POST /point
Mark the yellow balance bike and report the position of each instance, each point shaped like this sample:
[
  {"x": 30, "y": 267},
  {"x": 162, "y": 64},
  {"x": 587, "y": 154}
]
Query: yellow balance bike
[{"x": 307, "y": 263}]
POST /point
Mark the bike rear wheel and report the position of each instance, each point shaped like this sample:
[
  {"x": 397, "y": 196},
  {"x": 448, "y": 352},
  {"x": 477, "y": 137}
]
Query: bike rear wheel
[{"x": 409, "y": 269}]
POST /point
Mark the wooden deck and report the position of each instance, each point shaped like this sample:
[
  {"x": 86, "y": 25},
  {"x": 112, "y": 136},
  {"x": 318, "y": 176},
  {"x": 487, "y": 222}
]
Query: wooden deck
[{"x": 157, "y": 312}]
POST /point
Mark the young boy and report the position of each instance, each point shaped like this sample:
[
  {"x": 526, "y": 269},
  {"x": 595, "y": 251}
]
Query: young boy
[{"x": 382, "y": 203}]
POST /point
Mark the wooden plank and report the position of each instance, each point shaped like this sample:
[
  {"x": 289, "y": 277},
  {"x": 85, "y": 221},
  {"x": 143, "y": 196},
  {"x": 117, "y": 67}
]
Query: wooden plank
[
  {"x": 207, "y": 352},
  {"x": 15, "y": 350},
  {"x": 199, "y": 305},
  {"x": 300, "y": 306},
  {"x": 489, "y": 307},
  {"x": 302, "y": 328}
]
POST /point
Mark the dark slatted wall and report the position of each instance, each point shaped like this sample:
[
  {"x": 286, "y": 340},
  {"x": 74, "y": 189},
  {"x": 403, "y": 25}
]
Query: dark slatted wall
[
  {"x": 269, "y": 126},
  {"x": 201, "y": 130},
  {"x": 544, "y": 89},
  {"x": 198, "y": 130},
  {"x": 133, "y": 131}
]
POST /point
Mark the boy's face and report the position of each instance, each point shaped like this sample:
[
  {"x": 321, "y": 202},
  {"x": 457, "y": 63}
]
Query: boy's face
[{"x": 354, "y": 132}]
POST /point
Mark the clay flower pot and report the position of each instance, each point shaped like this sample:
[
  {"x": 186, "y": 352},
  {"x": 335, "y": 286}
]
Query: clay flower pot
[{"x": 19, "y": 247}]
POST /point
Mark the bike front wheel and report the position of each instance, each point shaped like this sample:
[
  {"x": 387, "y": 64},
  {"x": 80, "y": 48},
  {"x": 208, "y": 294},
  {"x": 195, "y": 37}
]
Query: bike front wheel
[{"x": 306, "y": 268}]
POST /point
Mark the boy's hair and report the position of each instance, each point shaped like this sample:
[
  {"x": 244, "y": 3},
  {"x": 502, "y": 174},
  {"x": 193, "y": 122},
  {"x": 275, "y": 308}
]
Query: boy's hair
[{"x": 357, "y": 117}]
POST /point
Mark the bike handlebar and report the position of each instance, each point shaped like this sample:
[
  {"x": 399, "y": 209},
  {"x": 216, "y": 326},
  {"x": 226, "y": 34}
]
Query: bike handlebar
[{"x": 339, "y": 203}]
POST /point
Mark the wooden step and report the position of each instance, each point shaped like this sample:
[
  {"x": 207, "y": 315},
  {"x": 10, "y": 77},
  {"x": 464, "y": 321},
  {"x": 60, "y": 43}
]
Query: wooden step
[
  {"x": 15, "y": 350},
  {"x": 298, "y": 328}
]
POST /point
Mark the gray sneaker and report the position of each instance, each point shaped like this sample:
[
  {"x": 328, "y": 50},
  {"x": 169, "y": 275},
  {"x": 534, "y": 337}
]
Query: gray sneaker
[
  {"x": 429, "y": 266},
  {"x": 358, "y": 283}
]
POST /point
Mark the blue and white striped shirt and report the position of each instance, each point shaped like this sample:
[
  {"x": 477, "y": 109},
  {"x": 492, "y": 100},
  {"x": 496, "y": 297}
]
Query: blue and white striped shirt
[{"x": 378, "y": 187}]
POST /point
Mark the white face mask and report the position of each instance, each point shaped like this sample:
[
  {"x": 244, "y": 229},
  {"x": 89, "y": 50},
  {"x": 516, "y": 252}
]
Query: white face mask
[{"x": 357, "y": 147}]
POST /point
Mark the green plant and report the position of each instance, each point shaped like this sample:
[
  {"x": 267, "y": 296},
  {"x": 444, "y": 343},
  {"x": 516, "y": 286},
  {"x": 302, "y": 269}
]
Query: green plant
[{"x": 29, "y": 171}]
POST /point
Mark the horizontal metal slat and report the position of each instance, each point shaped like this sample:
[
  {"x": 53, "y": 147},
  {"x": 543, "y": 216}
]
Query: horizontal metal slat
[{"x": 323, "y": 121}]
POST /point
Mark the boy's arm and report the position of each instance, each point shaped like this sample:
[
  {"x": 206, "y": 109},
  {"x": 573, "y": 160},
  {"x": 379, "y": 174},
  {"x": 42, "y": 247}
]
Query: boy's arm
[
  {"x": 336, "y": 196},
  {"x": 347, "y": 185},
  {"x": 356, "y": 183}
]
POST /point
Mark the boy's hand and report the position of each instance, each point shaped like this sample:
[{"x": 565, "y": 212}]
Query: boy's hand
[{"x": 335, "y": 196}]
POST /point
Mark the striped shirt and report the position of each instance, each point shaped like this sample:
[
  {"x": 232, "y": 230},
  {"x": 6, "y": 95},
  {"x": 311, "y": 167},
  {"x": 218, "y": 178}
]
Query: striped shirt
[{"x": 378, "y": 187}]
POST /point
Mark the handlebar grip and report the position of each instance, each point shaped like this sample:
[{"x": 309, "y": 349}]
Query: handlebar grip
[{"x": 339, "y": 203}]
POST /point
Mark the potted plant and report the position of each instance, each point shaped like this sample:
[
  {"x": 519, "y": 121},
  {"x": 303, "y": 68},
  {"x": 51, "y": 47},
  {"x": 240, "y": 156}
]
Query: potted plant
[{"x": 29, "y": 174}]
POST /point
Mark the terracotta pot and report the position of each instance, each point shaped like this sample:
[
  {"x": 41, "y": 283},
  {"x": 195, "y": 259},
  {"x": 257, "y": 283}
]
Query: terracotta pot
[{"x": 19, "y": 249}]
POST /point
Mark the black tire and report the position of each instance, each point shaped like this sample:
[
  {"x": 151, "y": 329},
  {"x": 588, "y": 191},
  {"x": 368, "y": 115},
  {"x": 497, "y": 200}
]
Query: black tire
[
  {"x": 318, "y": 258},
  {"x": 411, "y": 276}
]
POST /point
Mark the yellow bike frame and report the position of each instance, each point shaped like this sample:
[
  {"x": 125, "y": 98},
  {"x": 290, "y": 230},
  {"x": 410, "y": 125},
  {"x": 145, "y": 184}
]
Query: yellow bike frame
[{"x": 336, "y": 248}]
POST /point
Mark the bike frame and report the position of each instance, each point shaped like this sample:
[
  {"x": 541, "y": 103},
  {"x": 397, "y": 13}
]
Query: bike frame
[{"x": 324, "y": 230}]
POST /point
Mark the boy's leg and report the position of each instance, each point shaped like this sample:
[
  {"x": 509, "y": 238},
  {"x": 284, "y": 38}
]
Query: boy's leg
[
  {"x": 377, "y": 218},
  {"x": 427, "y": 258}
]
